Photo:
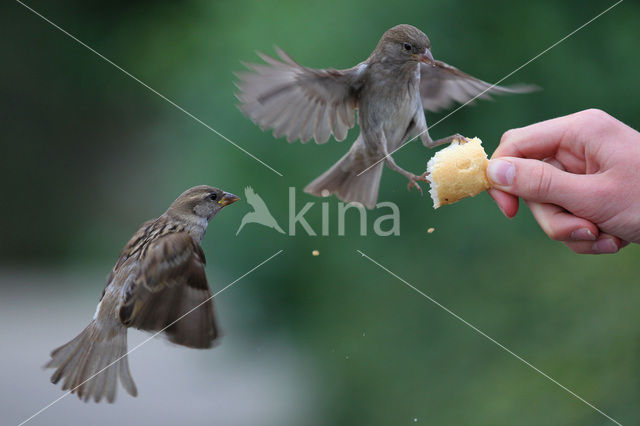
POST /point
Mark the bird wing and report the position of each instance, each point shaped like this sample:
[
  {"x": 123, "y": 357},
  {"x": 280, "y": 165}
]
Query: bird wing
[
  {"x": 300, "y": 102},
  {"x": 258, "y": 204},
  {"x": 170, "y": 284},
  {"x": 255, "y": 200},
  {"x": 441, "y": 85},
  {"x": 250, "y": 194}
]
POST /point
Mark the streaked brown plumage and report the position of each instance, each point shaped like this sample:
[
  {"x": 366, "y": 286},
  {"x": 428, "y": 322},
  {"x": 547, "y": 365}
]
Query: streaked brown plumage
[
  {"x": 158, "y": 278},
  {"x": 390, "y": 90}
]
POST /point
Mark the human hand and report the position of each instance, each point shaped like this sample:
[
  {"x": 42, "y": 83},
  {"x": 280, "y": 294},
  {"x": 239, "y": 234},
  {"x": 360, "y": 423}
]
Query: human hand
[{"x": 579, "y": 175}]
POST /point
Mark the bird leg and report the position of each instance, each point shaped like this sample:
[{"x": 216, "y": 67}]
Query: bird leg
[
  {"x": 430, "y": 143},
  {"x": 413, "y": 179},
  {"x": 382, "y": 149}
]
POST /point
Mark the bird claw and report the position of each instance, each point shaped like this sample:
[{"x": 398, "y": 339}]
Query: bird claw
[
  {"x": 413, "y": 183},
  {"x": 461, "y": 139},
  {"x": 414, "y": 179}
]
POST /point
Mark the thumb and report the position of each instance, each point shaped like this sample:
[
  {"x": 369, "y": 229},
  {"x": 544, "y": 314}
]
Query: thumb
[{"x": 535, "y": 180}]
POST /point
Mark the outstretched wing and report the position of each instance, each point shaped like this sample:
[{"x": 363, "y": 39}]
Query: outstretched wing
[
  {"x": 256, "y": 201},
  {"x": 442, "y": 85},
  {"x": 299, "y": 102},
  {"x": 251, "y": 196},
  {"x": 170, "y": 286}
]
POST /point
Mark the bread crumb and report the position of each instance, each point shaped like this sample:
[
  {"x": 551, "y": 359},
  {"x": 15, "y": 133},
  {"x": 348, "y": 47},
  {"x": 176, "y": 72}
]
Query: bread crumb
[{"x": 315, "y": 253}]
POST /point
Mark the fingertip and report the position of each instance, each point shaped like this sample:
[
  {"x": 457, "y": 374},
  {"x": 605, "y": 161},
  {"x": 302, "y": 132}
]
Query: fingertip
[
  {"x": 507, "y": 203},
  {"x": 606, "y": 244},
  {"x": 508, "y": 145},
  {"x": 508, "y": 136},
  {"x": 561, "y": 225},
  {"x": 583, "y": 234}
]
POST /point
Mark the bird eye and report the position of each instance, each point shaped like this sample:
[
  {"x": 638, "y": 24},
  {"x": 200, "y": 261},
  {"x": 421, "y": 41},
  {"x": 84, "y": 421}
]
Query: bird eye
[
  {"x": 406, "y": 46},
  {"x": 213, "y": 196}
]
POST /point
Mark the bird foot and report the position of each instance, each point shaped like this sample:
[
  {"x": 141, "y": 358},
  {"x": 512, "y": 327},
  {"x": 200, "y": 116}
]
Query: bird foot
[
  {"x": 414, "y": 179},
  {"x": 445, "y": 141},
  {"x": 460, "y": 138}
]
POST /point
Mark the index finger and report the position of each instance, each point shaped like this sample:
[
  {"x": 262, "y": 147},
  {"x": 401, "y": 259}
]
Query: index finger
[{"x": 537, "y": 141}]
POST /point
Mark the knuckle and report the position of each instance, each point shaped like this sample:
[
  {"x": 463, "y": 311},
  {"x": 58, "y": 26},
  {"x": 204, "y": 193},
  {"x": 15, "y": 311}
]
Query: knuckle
[
  {"x": 593, "y": 118},
  {"x": 597, "y": 193},
  {"x": 541, "y": 185}
]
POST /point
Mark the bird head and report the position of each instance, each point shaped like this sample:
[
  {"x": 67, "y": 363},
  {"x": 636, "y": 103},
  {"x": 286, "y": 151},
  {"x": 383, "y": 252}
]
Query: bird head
[
  {"x": 201, "y": 201},
  {"x": 404, "y": 44}
]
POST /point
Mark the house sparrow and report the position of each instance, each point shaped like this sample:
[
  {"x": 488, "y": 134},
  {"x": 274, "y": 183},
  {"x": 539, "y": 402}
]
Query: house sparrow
[
  {"x": 158, "y": 278},
  {"x": 389, "y": 90}
]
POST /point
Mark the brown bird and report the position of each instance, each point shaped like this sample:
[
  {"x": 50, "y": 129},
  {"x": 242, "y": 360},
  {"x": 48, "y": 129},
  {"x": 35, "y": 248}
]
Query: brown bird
[
  {"x": 390, "y": 90},
  {"x": 158, "y": 278}
]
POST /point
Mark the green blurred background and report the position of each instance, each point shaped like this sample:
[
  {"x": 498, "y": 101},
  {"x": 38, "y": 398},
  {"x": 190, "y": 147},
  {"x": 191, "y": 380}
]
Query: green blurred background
[{"x": 88, "y": 154}]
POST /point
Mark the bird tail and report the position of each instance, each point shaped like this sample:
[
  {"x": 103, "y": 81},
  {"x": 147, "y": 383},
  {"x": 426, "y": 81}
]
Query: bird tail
[
  {"x": 342, "y": 179},
  {"x": 96, "y": 351}
]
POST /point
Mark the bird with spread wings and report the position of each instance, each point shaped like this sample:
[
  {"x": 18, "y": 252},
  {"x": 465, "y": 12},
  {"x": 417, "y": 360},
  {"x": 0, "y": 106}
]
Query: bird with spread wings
[{"x": 390, "y": 90}]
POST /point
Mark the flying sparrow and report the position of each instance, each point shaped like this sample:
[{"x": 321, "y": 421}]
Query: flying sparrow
[
  {"x": 158, "y": 278},
  {"x": 389, "y": 90}
]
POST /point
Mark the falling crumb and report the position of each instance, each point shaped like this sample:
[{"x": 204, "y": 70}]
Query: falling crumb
[
  {"x": 430, "y": 230},
  {"x": 315, "y": 253},
  {"x": 325, "y": 193}
]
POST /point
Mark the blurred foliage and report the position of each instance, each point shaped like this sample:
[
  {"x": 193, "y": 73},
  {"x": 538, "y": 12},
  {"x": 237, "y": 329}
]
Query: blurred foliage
[{"x": 89, "y": 154}]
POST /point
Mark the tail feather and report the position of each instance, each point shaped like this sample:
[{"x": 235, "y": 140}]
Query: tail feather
[
  {"x": 91, "y": 363},
  {"x": 342, "y": 179},
  {"x": 125, "y": 377}
]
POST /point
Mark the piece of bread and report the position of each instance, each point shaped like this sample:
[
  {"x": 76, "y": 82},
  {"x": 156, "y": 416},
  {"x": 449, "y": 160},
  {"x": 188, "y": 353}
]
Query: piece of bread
[{"x": 457, "y": 171}]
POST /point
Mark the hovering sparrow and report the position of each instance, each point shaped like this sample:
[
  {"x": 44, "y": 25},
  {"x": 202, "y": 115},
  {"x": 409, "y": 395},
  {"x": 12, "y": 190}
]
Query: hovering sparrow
[
  {"x": 158, "y": 278},
  {"x": 389, "y": 90}
]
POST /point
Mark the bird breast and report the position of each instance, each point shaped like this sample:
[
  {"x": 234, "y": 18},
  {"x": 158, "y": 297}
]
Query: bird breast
[{"x": 391, "y": 102}]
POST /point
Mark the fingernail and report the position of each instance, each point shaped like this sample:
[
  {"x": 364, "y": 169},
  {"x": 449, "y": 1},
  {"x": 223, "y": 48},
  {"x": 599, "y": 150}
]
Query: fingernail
[
  {"x": 606, "y": 245},
  {"x": 501, "y": 172},
  {"x": 582, "y": 234}
]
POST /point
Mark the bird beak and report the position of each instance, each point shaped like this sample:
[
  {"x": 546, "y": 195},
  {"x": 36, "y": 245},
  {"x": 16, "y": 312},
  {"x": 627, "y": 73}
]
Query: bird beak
[
  {"x": 228, "y": 198},
  {"x": 427, "y": 58}
]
